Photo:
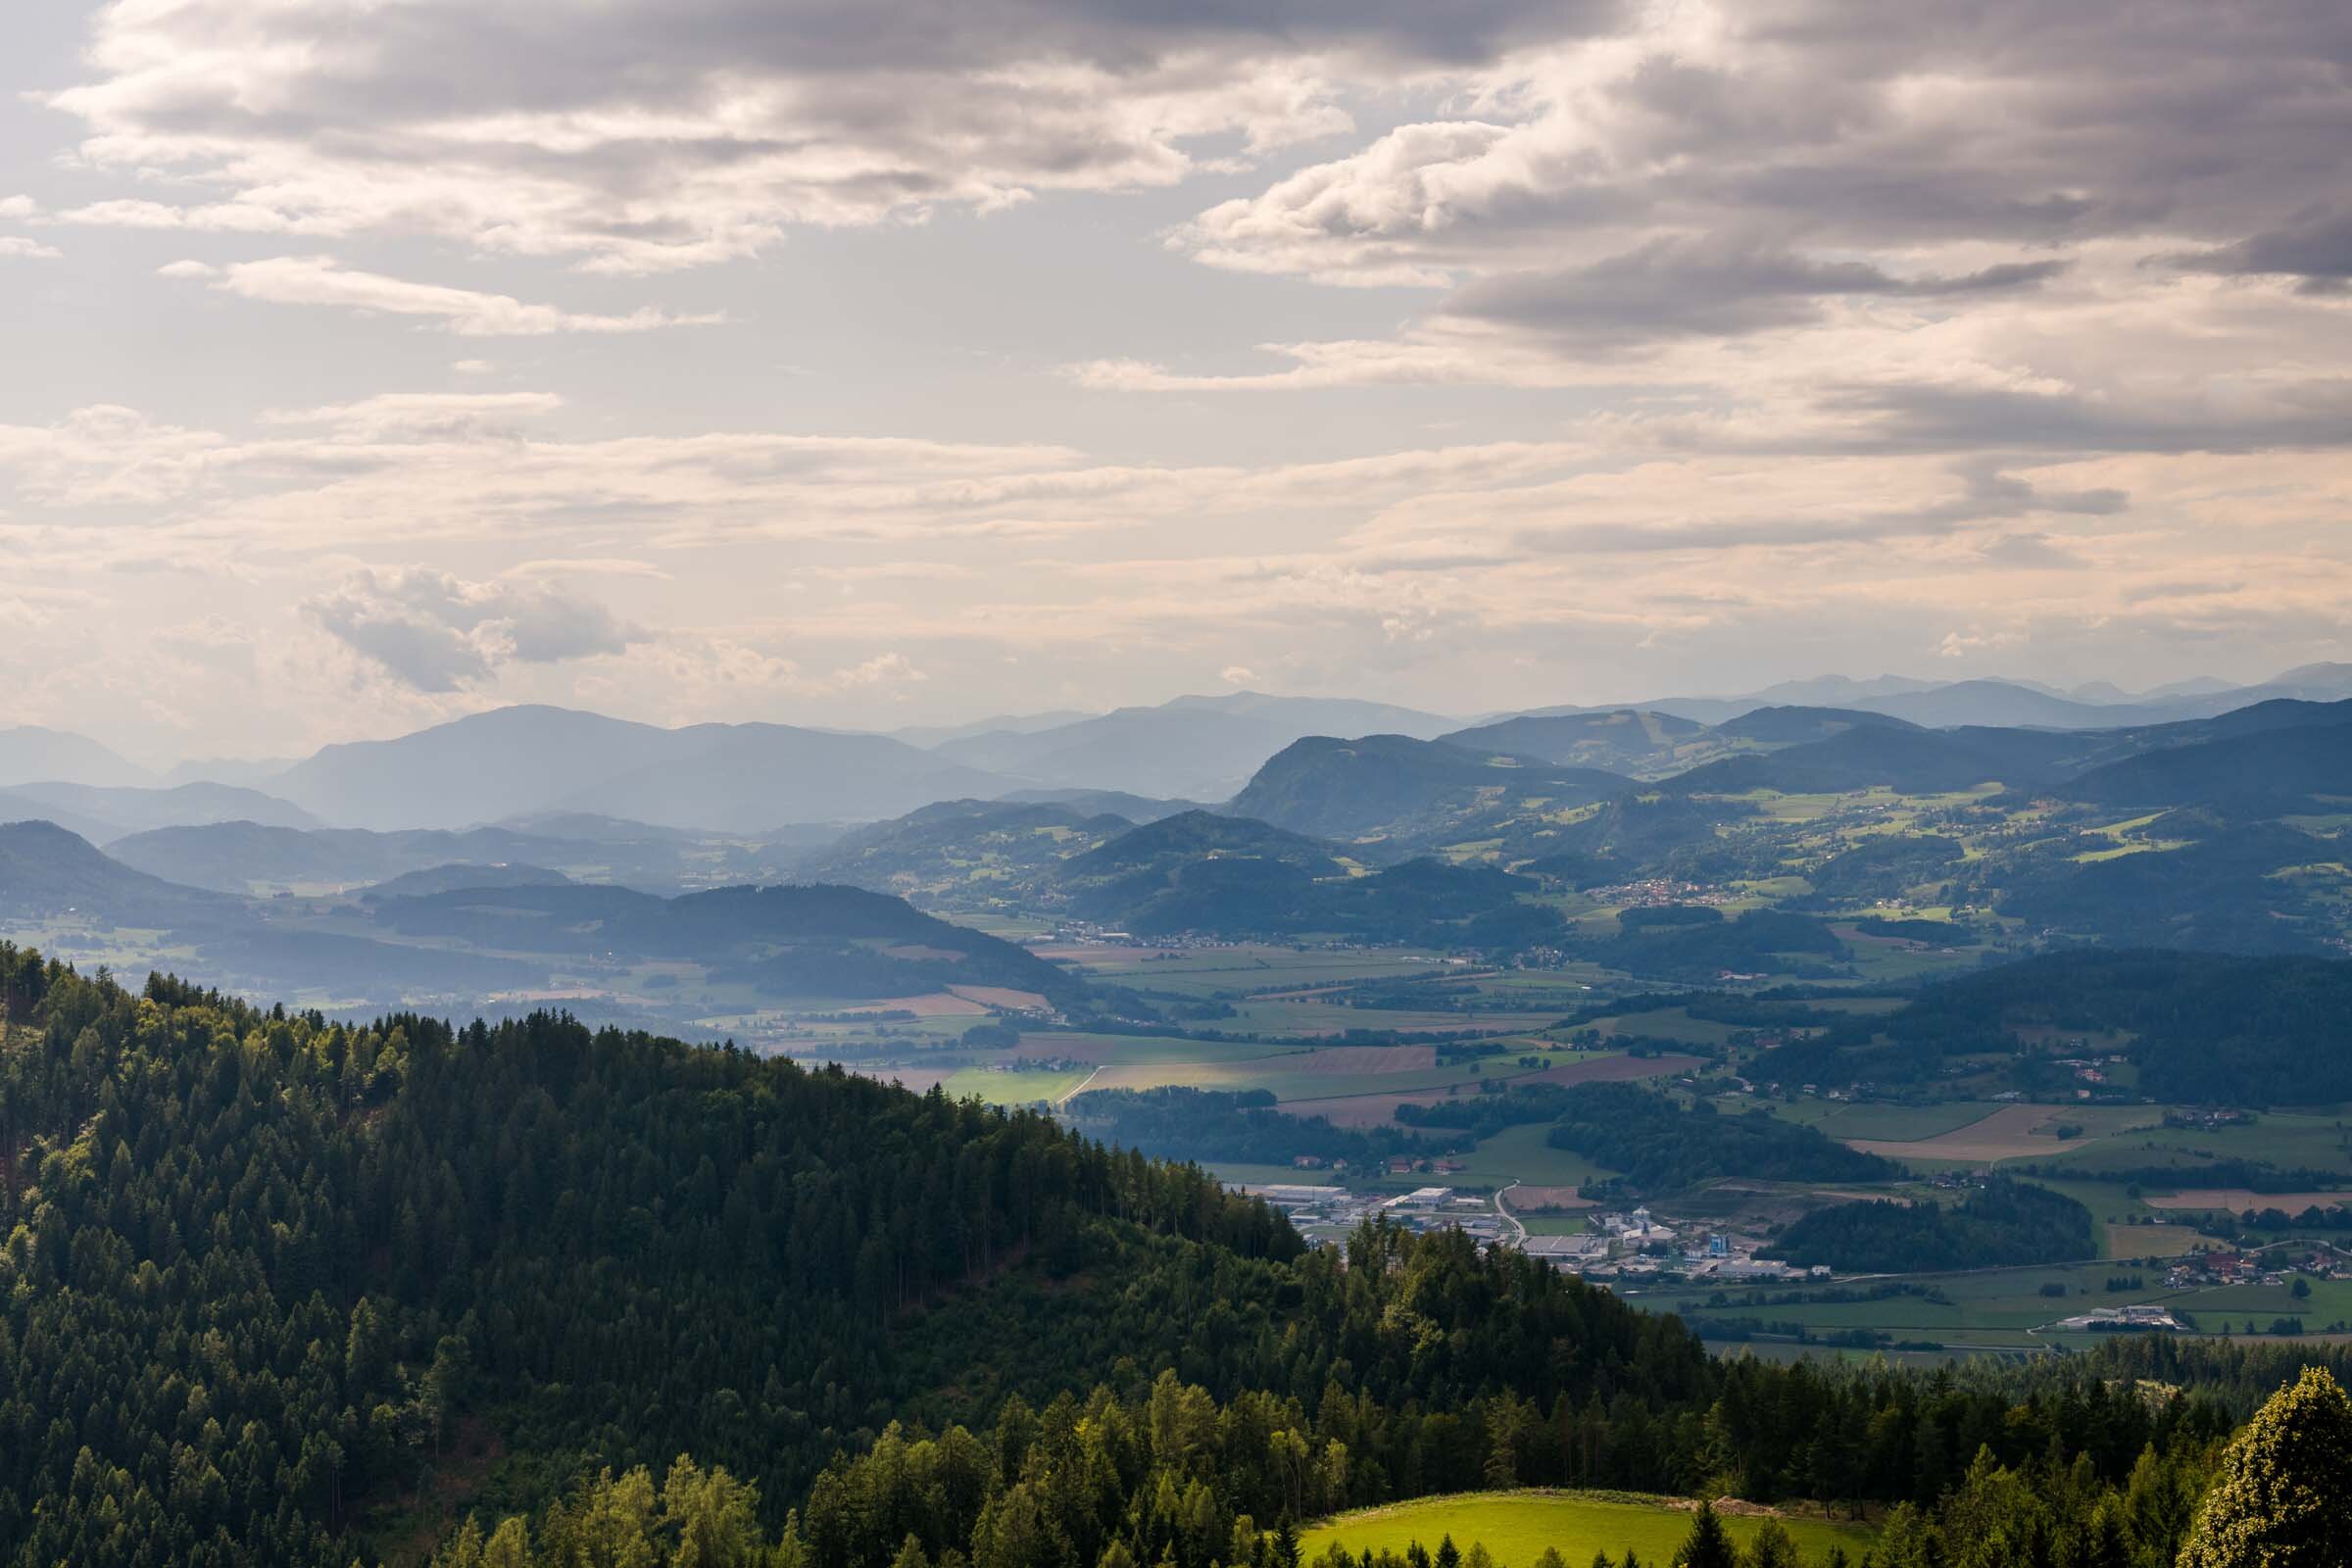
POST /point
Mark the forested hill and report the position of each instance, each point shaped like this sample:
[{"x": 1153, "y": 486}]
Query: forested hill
[{"x": 267, "y": 1278}]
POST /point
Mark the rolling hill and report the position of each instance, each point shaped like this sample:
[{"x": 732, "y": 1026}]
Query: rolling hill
[
  {"x": 249, "y": 858},
  {"x": 1407, "y": 794},
  {"x": 119, "y": 811},
  {"x": 810, "y": 941}
]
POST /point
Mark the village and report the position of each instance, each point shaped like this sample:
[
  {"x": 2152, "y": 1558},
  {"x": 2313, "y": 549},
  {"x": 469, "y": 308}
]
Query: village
[{"x": 1629, "y": 1244}]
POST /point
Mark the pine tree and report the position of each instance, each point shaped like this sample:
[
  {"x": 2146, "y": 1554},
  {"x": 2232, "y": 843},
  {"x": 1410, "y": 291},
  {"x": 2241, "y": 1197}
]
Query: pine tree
[{"x": 1709, "y": 1544}]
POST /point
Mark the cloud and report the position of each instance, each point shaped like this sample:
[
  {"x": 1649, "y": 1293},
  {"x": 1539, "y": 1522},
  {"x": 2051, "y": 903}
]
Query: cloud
[
  {"x": 438, "y": 633},
  {"x": 322, "y": 281},
  {"x": 882, "y": 670},
  {"x": 412, "y": 416},
  {"x": 472, "y": 366},
  {"x": 1708, "y": 287},
  {"x": 641, "y": 136},
  {"x": 14, "y": 247},
  {"x": 2313, "y": 246}
]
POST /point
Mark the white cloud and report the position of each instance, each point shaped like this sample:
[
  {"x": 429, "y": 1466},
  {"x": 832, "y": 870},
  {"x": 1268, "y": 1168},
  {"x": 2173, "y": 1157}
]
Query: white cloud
[
  {"x": 18, "y": 248},
  {"x": 467, "y": 313}
]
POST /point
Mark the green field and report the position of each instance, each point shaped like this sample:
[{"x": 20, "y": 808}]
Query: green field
[
  {"x": 1517, "y": 1526},
  {"x": 1841, "y": 1118},
  {"x": 1520, "y": 1154},
  {"x": 1011, "y": 1087}
]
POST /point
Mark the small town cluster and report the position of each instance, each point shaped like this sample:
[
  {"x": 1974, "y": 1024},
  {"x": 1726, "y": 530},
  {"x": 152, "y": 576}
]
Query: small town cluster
[{"x": 1634, "y": 1244}]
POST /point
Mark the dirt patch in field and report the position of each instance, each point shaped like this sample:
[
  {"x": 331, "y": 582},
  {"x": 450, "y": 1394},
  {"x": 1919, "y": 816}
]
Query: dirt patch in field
[
  {"x": 1377, "y": 1110},
  {"x": 2150, "y": 1241},
  {"x": 1002, "y": 997},
  {"x": 1364, "y": 1059},
  {"x": 2013, "y": 1132},
  {"x": 936, "y": 1005},
  {"x": 1543, "y": 1200},
  {"x": 2237, "y": 1199}
]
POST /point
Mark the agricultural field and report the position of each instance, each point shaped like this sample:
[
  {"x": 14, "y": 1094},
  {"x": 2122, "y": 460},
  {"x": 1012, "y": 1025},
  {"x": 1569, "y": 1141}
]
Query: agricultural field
[
  {"x": 1516, "y": 1527},
  {"x": 1999, "y": 1311},
  {"x": 2012, "y": 1132}
]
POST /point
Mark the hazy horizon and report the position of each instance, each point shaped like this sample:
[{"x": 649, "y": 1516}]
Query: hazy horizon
[{"x": 859, "y": 367}]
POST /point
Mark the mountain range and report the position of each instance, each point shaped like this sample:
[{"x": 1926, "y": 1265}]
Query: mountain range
[{"x": 757, "y": 779}]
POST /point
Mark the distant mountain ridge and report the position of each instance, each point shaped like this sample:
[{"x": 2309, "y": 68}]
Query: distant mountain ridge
[
  {"x": 103, "y": 813},
  {"x": 737, "y": 778},
  {"x": 33, "y": 755},
  {"x": 1198, "y": 748}
]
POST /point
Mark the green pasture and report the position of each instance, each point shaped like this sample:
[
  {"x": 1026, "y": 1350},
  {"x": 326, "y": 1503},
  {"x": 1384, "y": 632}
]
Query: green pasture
[
  {"x": 1010, "y": 1088},
  {"x": 2319, "y": 1140},
  {"x": 1520, "y": 1154},
  {"x": 1151, "y": 1050},
  {"x": 1516, "y": 1526}
]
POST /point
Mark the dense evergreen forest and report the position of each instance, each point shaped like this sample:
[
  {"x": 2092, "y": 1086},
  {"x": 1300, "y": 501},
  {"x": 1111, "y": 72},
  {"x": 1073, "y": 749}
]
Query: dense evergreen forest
[
  {"x": 281, "y": 1291},
  {"x": 1238, "y": 1126},
  {"x": 1662, "y": 1144},
  {"x": 2204, "y": 1027},
  {"x": 2007, "y": 1222}
]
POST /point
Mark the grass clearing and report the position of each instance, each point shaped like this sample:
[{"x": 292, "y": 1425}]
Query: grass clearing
[{"x": 1517, "y": 1526}]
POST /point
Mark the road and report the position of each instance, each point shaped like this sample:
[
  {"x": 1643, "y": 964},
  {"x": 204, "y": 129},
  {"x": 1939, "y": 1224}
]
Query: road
[{"x": 1510, "y": 1218}]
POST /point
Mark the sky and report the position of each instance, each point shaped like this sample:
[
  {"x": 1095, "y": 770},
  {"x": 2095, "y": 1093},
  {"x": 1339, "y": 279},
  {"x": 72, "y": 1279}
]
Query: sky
[{"x": 868, "y": 362}]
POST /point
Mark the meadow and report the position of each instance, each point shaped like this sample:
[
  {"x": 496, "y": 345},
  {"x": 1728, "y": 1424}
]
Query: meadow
[{"x": 1516, "y": 1527}]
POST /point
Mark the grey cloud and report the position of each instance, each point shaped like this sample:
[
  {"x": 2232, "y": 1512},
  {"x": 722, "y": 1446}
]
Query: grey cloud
[
  {"x": 1841, "y": 124},
  {"x": 2302, "y": 414},
  {"x": 2314, "y": 246},
  {"x": 1711, "y": 288},
  {"x": 438, "y": 633}
]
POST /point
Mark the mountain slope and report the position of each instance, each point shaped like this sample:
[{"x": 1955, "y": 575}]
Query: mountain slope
[
  {"x": 1895, "y": 757},
  {"x": 736, "y": 778},
  {"x": 2264, "y": 774},
  {"x": 45, "y": 870},
  {"x": 1622, "y": 740},
  {"x": 965, "y": 853},
  {"x": 1408, "y": 793}
]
